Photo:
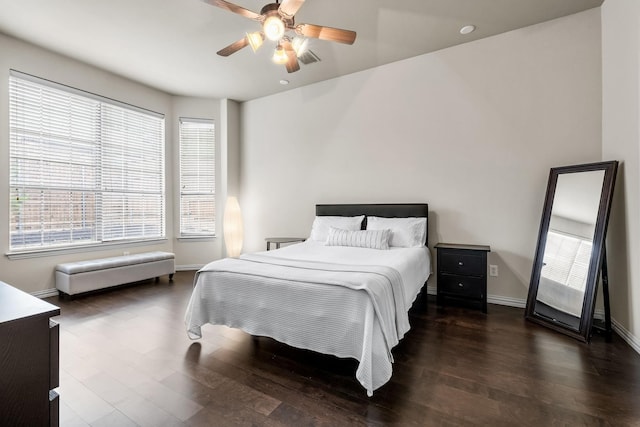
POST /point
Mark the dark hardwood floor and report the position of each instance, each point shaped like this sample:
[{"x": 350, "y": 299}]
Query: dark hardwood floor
[{"x": 126, "y": 360}]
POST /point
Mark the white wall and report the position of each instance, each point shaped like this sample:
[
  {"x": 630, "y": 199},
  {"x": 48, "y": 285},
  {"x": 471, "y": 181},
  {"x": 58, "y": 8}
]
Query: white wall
[
  {"x": 36, "y": 275},
  {"x": 621, "y": 141},
  {"x": 472, "y": 130},
  {"x": 229, "y": 182}
]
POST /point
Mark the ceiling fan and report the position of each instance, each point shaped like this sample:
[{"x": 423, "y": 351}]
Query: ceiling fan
[{"x": 276, "y": 20}]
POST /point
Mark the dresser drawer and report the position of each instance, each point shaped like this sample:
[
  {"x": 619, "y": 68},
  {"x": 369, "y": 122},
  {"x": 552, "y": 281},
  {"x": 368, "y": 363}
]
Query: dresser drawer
[
  {"x": 468, "y": 287},
  {"x": 465, "y": 263},
  {"x": 54, "y": 355},
  {"x": 54, "y": 409}
]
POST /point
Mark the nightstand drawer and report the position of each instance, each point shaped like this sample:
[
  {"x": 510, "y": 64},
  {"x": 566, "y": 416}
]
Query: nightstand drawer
[
  {"x": 468, "y": 287},
  {"x": 462, "y": 262}
]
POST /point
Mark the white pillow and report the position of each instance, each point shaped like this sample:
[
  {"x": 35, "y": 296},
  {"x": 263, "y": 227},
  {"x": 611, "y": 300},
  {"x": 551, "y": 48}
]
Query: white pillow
[
  {"x": 321, "y": 225},
  {"x": 405, "y": 232},
  {"x": 373, "y": 239}
]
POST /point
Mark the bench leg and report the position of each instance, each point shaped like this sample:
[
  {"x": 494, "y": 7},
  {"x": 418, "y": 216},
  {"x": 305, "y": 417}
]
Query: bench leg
[
  {"x": 65, "y": 296},
  {"x": 171, "y": 277}
]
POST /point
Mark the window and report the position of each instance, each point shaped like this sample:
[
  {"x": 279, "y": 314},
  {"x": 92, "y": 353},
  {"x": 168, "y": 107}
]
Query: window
[
  {"x": 83, "y": 169},
  {"x": 566, "y": 259},
  {"x": 197, "y": 178}
]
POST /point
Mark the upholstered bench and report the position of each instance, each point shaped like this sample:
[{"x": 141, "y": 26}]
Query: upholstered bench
[{"x": 84, "y": 276}]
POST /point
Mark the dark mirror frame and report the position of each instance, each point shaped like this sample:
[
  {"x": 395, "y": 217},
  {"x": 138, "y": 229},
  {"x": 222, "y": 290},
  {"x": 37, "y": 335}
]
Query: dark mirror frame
[{"x": 598, "y": 253}]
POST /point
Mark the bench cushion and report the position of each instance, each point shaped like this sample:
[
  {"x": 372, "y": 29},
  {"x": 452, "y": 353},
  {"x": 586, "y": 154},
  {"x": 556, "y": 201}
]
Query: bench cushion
[{"x": 113, "y": 262}]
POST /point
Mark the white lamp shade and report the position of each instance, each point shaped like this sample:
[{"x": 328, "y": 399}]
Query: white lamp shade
[
  {"x": 232, "y": 227},
  {"x": 279, "y": 55},
  {"x": 255, "y": 40}
]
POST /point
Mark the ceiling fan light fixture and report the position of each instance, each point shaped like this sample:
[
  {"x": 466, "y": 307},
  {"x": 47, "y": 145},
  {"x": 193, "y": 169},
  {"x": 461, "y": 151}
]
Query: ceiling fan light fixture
[
  {"x": 300, "y": 45},
  {"x": 278, "y": 22},
  {"x": 255, "y": 40},
  {"x": 273, "y": 27},
  {"x": 279, "y": 55}
]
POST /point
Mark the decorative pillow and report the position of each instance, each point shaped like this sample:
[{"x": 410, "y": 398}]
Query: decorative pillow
[
  {"x": 321, "y": 225},
  {"x": 405, "y": 232},
  {"x": 373, "y": 239}
]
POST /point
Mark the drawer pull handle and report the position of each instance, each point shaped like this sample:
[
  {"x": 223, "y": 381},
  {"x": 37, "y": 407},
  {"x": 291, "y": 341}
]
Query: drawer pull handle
[
  {"x": 460, "y": 263},
  {"x": 461, "y": 285}
]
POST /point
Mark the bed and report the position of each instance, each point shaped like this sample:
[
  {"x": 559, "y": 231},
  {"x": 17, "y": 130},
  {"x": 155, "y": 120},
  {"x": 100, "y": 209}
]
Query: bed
[{"x": 326, "y": 294}]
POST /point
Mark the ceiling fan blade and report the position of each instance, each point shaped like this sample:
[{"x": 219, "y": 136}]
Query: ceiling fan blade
[
  {"x": 292, "y": 59},
  {"x": 234, "y": 8},
  {"x": 290, "y": 7},
  {"x": 326, "y": 33},
  {"x": 233, "y": 47}
]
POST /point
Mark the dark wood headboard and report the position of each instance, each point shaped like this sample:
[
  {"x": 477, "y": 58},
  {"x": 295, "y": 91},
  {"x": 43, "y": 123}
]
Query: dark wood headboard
[{"x": 387, "y": 210}]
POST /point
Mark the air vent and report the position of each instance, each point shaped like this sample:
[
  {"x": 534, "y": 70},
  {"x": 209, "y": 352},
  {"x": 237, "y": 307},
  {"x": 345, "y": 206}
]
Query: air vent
[{"x": 308, "y": 58}]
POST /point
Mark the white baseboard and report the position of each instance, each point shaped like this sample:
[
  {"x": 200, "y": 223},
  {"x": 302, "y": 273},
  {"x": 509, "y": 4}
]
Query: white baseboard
[
  {"x": 508, "y": 301},
  {"x": 189, "y": 267},
  {"x": 633, "y": 341},
  {"x": 53, "y": 292}
]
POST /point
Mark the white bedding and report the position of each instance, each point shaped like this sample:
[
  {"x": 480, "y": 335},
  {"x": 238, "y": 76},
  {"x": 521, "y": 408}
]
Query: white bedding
[
  {"x": 560, "y": 296},
  {"x": 344, "y": 301}
]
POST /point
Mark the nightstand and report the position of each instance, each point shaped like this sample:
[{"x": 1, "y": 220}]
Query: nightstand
[
  {"x": 280, "y": 240},
  {"x": 462, "y": 273}
]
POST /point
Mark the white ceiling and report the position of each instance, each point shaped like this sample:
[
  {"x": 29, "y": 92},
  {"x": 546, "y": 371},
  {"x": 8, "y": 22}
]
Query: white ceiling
[{"x": 171, "y": 44}]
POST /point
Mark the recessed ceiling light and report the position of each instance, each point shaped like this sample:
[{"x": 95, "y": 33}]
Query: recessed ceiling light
[
  {"x": 467, "y": 29},
  {"x": 284, "y": 82}
]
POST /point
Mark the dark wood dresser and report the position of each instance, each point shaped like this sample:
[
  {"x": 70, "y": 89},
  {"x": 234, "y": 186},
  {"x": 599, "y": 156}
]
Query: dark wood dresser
[
  {"x": 462, "y": 273},
  {"x": 29, "y": 360}
]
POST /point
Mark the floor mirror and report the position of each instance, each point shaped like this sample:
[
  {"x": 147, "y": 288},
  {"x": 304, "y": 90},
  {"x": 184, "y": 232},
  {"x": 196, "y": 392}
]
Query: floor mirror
[{"x": 571, "y": 254}]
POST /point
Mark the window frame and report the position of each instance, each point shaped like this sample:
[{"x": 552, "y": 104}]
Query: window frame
[
  {"x": 204, "y": 186},
  {"x": 107, "y": 107}
]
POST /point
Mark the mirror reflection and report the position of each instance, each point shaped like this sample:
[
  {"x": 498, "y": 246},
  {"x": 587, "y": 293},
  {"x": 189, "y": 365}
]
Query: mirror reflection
[{"x": 568, "y": 247}]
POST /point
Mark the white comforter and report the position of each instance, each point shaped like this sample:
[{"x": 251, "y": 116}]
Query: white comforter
[
  {"x": 560, "y": 296},
  {"x": 348, "y": 302}
]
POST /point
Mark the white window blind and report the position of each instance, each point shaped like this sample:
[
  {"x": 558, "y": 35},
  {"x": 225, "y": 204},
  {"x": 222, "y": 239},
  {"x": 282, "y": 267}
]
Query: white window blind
[
  {"x": 197, "y": 178},
  {"x": 83, "y": 169},
  {"x": 566, "y": 259}
]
